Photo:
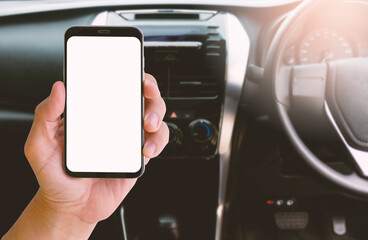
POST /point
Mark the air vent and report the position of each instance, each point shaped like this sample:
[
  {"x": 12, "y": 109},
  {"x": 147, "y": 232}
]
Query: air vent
[
  {"x": 213, "y": 43},
  {"x": 201, "y": 79},
  {"x": 163, "y": 16},
  {"x": 193, "y": 86},
  {"x": 166, "y": 14},
  {"x": 187, "y": 59}
]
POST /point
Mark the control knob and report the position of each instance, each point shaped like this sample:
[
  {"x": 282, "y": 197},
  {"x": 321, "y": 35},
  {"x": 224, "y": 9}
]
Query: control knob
[
  {"x": 202, "y": 131},
  {"x": 176, "y": 134}
]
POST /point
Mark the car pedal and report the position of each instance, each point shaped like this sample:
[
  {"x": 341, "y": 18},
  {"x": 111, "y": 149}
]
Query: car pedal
[
  {"x": 339, "y": 224},
  {"x": 291, "y": 220}
]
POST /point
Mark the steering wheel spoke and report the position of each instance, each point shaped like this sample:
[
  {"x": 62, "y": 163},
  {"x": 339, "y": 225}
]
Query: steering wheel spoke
[
  {"x": 360, "y": 157},
  {"x": 307, "y": 89}
]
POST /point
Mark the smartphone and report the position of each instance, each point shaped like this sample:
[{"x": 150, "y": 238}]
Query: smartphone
[{"x": 103, "y": 118}]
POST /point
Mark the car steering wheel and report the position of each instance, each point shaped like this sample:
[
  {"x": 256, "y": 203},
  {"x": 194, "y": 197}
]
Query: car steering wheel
[{"x": 337, "y": 89}]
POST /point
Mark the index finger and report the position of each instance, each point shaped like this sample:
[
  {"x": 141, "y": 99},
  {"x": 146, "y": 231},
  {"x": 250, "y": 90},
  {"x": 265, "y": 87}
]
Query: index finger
[{"x": 150, "y": 87}]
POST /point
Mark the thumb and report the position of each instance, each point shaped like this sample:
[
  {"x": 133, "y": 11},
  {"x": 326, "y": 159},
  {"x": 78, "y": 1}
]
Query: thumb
[
  {"x": 45, "y": 125},
  {"x": 50, "y": 109}
]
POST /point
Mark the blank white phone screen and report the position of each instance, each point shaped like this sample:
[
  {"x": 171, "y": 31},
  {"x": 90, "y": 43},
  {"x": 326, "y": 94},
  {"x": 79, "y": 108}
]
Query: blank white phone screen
[{"x": 103, "y": 104}]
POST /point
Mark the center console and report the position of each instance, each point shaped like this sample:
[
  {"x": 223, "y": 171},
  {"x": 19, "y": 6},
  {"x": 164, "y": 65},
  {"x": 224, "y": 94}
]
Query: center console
[
  {"x": 198, "y": 59},
  {"x": 185, "y": 51}
]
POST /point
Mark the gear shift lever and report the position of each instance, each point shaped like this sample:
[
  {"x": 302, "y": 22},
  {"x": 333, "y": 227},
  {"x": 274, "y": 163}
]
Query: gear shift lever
[{"x": 168, "y": 227}]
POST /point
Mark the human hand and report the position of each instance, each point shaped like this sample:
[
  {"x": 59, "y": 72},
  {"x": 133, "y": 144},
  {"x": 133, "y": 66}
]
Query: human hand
[{"x": 87, "y": 200}]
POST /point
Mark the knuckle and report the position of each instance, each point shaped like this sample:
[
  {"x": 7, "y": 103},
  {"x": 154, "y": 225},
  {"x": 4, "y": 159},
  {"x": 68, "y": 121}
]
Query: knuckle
[
  {"x": 37, "y": 109},
  {"x": 163, "y": 105},
  {"x": 27, "y": 149},
  {"x": 167, "y": 133}
]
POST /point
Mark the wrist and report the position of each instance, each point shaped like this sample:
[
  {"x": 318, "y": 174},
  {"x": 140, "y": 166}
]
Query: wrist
[
  {"x": 41, "y": 220},
  {"x": 60, "y": 222}
]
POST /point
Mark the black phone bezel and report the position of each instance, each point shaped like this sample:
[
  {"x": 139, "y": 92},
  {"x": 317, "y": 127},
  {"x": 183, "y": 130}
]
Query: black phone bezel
[{"x": 103, "y": 31}]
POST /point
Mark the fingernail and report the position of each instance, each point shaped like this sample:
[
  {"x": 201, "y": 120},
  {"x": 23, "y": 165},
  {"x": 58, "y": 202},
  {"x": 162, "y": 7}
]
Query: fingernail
[
  {"x": 149, "y": 82},
  {"x": 149, "y": 149},
  {"x": 52, "y": 89},
  {"x": 153, "y": 84},
  {"x": 152, "y": 119}
]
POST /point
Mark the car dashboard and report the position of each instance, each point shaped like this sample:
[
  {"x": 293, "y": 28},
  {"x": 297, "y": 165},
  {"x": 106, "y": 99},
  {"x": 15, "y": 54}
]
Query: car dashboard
[
  {"x": 189, "y": 52},
  {"x": 208, "y": 59}
]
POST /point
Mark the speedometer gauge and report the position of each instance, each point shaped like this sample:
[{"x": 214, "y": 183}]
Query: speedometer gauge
[{"x": 324, "y": 45}]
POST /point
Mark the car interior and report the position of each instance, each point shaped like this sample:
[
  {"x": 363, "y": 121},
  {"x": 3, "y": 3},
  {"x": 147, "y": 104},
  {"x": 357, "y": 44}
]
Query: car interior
[{"x": 266, "y": 106}]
